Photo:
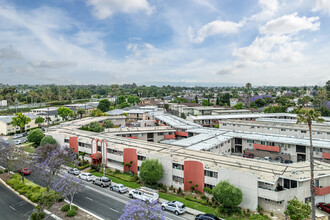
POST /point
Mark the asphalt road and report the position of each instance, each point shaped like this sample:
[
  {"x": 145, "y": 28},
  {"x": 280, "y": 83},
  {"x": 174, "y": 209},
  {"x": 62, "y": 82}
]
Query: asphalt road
[
  {"x": 105, "y": 203},
  {"x": 12, "y": 206}
]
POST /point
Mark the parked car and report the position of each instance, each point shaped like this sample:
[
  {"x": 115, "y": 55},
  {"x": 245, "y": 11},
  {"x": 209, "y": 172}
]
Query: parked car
[
  {"x": 268, "y": 158},
  {"x": 102, "y": 181},
  {"x": 144, "y": 194},
  {"x": 74, "y": 171},
  {"x": 25, "y": 171},
  {"x": 248, "y": 155},
  {"x": 87, "y": 176},
  {"x": 119, "y": 188},
  {"x": 206, "y": 217},
  {"x": 288, "y": 161},
  {"x": 174, "y": 206},
  {"x": 18, "y": 136},
  {"x": 323, "y": 206},
  {"x": 20, "y": 141}
]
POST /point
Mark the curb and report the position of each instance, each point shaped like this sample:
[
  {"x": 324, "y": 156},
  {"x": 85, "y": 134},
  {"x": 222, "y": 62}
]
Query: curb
[
  {"x": 88, "y": 212},
  {"x": 27, "y": 200}
]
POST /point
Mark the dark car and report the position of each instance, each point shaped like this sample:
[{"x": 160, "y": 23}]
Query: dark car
[
  {"x": 25, "y": 171},
  {"x": 207, "y": 217},
  {"x": 323, "y": 206},
  {"x": 288, "y": 161},
  {"x": 248, "y": 155}
]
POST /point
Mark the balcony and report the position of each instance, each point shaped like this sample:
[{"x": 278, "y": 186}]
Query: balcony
[
  {"x": 277, "y": 196},
  {"x": 181, "y": 133},
  {"x": 267, "y": 147}
]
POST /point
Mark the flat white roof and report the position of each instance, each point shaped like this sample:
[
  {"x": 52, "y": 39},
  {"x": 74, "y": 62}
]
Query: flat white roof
[
  {"x": 233, "y": 116},
  {"x": 175, "y": 121}
]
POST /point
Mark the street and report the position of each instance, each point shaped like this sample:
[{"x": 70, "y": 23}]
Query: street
[
  {"x": 105, "y": 203},
  {"x": 12, "y": 206}
]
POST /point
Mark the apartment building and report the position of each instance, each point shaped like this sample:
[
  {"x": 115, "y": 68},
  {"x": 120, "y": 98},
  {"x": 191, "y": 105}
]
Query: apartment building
[
  {"x": 270, "y": 185},
  {"x": 7, "y": 128}
]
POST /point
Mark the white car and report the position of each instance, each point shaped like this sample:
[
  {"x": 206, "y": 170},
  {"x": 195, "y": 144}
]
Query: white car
[
  {"x": 21, "y": 141},
  {"x": 174, "y": 206},
  {"x": 74, "y": 171},
  {"x": 87, "y": 176},
  {"x": 18, "y": 136}
]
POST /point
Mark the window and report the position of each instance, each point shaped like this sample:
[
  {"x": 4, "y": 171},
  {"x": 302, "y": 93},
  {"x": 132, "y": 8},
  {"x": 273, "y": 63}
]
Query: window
[
  {"x": 250, "y": 141},
  {"x": 209, "y": 185},
  {"x": 66, "y": 140},
  {"x": 177, "y": 179},
  {"x": 317, "y": 149},
  {"x": 211, "y": 173},
  {"x": 116, "y": 152},
  {"x": 252, "y": 126},
  {"x": 178, "y": 166},
  {"x": 263, "y": 143},
  {"x": 283, "y": 129},
  {"x": 80, "y": 144},
  {"x": 141, "y": 157},
  {"x": 303, "y": 132},
  {"x": 160, "y": 133}
]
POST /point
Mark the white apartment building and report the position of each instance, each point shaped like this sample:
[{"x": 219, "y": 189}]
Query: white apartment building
[
  {"x": 270, "y": 185},
  {"x": 7, "y": 128}
]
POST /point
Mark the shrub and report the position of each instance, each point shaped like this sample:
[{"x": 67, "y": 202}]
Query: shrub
[
  {"x": 37, "y": 216},
  {"x": 272, "y": 214},
  {"x": 179, "y": 190},
  {"x": 208, "y": 190},
  {"x": 259, "y": 217},
  {"x": 72, "y": 212},
  {"x": 203, "y": 196},
  {"x": 259, "y": 209},
  {"x": 96, "y": 167},
  {"x": 1, "y": 172},
  {"x": 83, "y": 167},
  {"x": 65, "y": 208},
  {"x": 47, "y": 140},
  {"x": 6, "y": 170},
  {"x": 35, "y": 136}
]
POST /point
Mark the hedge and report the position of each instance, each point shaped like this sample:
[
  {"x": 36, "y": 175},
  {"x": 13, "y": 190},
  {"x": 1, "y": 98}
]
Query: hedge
[
  {"x": 31, "y": 190},
  {"x": 83, "y": 167}
]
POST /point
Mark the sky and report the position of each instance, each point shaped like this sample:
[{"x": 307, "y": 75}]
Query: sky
[{"x": 264, "y": 42}]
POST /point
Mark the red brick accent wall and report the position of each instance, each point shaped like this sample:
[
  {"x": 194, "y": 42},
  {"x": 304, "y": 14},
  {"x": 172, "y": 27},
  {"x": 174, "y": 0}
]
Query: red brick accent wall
[
  {"x": 73, "y": 142},
  {"x": 181, "y": 133},
  {"x": 193, "y": 171},
  {"x": 169, "y": 136},
  {"x": 322, "y": 191},
  {"x": 326, "y": 155},
  {"x": 130, "y": 155},
  {"x": 267, "y": 147}
]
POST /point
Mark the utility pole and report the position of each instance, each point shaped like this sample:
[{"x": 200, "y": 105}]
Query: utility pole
[{"x": 47, "y": 117}]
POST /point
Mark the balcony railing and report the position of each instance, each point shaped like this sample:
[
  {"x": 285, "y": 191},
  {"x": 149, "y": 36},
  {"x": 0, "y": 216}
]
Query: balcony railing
[
  {"x": 322, "y": 191},
  {"x": 267, "y": 147}
]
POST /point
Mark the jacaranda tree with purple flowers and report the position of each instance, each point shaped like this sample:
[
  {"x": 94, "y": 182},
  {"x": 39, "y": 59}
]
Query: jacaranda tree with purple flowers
[
  {"x": 67, "y": 186},
  {"x": 49, "y": 159},
  {"x": 7, "y": 152},
  {"x": 140, "y": 210}
]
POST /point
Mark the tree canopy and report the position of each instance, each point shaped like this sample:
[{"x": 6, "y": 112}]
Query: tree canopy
[
  {"x": 298, "y": 210},
  {"x": 35, "y": 136},
  {"x": 64, "y": 112},
  {"x": 151, "y": 171},
  {"x": 227, "y": 195},
  {"x": 20, "y": 120},
  {"x": 47, "y": 140},
  {"x": 39, "y": 120},
  {"x": 104, "y": 105},
  {"x": 108, "y": 124}
]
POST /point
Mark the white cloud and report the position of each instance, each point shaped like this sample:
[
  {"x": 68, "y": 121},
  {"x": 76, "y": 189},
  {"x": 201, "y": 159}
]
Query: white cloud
[
  {"x": 269, "y": 8},
  {"x": 52, "y": 64},
  {"x": 103, "y": 9},
  {"x": 290, "y": 24},
  {"x": 214, "y": 28},
  {"x": 322, "y": 6},
  {"x": 9, "y": 53}
]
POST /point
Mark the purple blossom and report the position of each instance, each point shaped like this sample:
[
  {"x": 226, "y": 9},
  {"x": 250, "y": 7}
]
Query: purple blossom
[{"x": 140, "y": 210}]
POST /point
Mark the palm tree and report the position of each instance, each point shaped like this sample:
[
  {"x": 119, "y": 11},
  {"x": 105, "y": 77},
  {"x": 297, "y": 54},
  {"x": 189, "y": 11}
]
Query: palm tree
[
  {"x": 322, "y": 96},
  {"x": 248, "y": 86},
  {"x": 307, "y": 117}
]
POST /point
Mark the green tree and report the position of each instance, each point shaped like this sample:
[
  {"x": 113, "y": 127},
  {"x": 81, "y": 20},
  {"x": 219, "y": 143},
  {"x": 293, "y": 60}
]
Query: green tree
[
  {"x": 80, "y": 112},
  {"x": 307, "y": 117},
  {"x": 95, "y": 126},
  {"x": 124, "y": 105},
  {"x": 47, "y": 140},
  {"x": 248, "y": 87},
  {"x": 238, "y": 106},
  {"x": 183, "y": 115},
  {"x": 104, "y": 105},
  {"x": 35, "y": 136},
  {"x": 205, "y": 102},
  {"x": 298, "y": 210},
  {"x": 137, "y": 100},
  {"x": 253, "y": 105},
  {"x": 120, "y": 99},
  {"x": 20, "y": 120},
  {"x": 39, "y": 120},
  {"x": 166, "y": 106},
  {"x": 130, "y": 99},
  {"x": 97, "y": 113},
  {"x": 228, "y": 196},
  {"x": 151, "y": 171},
  {"x": 64, "y": 112},
  {"x": 196, "y": 99},
  {"x": 108, "y": 124}
]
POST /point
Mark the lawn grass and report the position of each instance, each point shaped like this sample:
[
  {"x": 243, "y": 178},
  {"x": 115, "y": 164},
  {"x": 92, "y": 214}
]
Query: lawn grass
[
  {"x": 132, "y": 185},
  {"x": 187, "y": 203},
  {"x": 28, "y": 148}
]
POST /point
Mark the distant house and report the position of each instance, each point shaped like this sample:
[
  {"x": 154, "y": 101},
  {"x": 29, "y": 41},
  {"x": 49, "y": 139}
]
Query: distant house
[{"x": 254, "y": 98}]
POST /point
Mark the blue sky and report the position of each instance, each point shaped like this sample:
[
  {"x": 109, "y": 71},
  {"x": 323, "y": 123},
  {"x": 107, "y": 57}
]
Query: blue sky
[{"x": 265, "y": 42}]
